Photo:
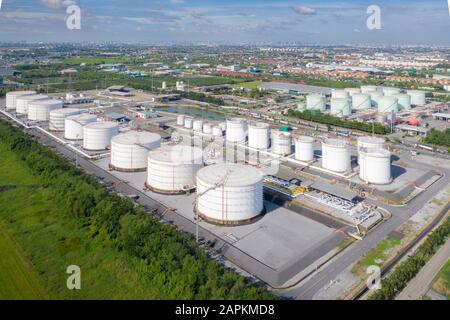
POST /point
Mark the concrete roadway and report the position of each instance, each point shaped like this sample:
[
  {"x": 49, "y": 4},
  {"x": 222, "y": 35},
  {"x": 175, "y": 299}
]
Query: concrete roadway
[
  {"x": 400, "y": 214},
  {"x": 419, "y": 285}
]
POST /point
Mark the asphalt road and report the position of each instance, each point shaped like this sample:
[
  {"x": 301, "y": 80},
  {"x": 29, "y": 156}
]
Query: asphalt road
[{"x": 418, "y": 286}]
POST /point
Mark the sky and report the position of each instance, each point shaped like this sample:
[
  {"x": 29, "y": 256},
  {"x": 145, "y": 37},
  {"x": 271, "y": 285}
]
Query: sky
[{"x": 318, "y": 22}]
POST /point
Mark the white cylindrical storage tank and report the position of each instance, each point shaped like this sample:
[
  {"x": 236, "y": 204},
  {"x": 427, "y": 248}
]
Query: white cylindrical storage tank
[
  {"x": 258, "y": 135},
  {"x": 304, "y": 148},
  {"x": 335, "y": 155},
  {"x": 22, "y": 102},
  {"x": 197, "y": 125},
  {"x": 368, "y": 89},
  {"x": 180, "y": 120},
  {"x": 417, "y": 97},
  {"x": 369, "y": 142},
  {"x": 188, "y": 123},
  {"x": 375, "y": 97},
  {"x": 404, "y": 101},
  {"x": 236, "y": 130},
  {"x": 39, "y": 110},
  {"x": 361, "y": 101},
  {"x": 352, "y": 91},
  {"x": 315, "y": 101},
  {"x": 129, "y": 151},
  {"x": 390, "y": 91},
  {"x": 57, "y": 118},
  {"x": 73, "y": 125},
  {"x": 337, "y": 93},
  {"x": 229, "y": 194},
  {"x": 281, "y": 142},
  {"x": 217, "y": 131},
  {"x": 375, "y": 166},
  {"x": 340, "y": 107},
  {"x": 11, "y": 102},
  {"x": 97, "y": 136},
  {"x": 172, "y": 169},
  {"x": 207, "y": 128},
  {"x": 387, "y": 104}
]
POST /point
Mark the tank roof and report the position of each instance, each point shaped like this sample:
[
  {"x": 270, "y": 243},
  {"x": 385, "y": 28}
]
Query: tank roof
[{"x": 234, "y": 175}]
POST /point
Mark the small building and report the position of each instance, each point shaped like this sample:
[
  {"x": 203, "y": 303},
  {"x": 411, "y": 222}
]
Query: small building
[
  {"x": 441, "y": 116},
  {"x": 117, "y": 117},
  {"x": 412, "y": 130}
]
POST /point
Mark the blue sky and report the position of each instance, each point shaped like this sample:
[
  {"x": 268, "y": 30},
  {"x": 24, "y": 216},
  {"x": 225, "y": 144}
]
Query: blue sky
[{"x": 231, "y": 21}]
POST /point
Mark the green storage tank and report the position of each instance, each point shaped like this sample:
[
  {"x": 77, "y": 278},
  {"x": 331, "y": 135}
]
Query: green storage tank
[{"x": 285, "y": 128}]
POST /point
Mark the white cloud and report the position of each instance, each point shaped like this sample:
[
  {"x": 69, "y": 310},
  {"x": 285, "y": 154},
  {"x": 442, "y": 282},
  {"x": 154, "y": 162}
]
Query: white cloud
[
  {"x": 304, "y": 10},
  {"x": 57, "y": 4}
]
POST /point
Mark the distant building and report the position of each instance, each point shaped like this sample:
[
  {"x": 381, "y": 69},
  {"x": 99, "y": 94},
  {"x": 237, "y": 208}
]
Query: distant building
[
  {"x": 68, "y": 71},
  {"x": 118, "y": 67}
]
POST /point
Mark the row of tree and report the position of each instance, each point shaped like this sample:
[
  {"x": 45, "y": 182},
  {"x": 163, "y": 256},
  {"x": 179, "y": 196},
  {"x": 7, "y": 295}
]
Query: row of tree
[
  {"x": 338, "y": 122},
  {"x": 398, "y": 280},
  {"x": 169, "y": 262}
]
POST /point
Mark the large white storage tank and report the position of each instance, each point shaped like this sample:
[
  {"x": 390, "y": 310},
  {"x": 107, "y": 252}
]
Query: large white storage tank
[
  {"x": 335, "y": 155},
  {"x": 217, "y": 131},
  {"x": 375, "y": 166},
  {"x": 315, "y": 101},
  {"x": 369, "y": 142},
  {"x": 73, "y": 125},
  {"x": 129, "y": 151},
  {"x": 207, "y": 128},
  {"x": 11, "y": 97},
  {"x": 97, "y": 136},
  {"x": 197, "y": 125},
  {"x": 375, "y": 97},
  {"x": 258, "y": 135},
  {"x": 304, "y": 148},
  {"x": 352, "y": 91},
  {"x": 236, "y": 130},
  {"x": 340, "y": 107},
  {"x": 390, "y": 91},
  {"x": 417, "y": 97},
  {"x": 404, "y": 101},
  {"x": 361, "y": 101},
  {"x": 180, "y": 120},
  {"x": 281, "y": 142},
  {"x": 387, "y": 104},
  {"x": 57, "y": 118},
  {"x": 23, "y": 101},
  {"x": 229, "y": 194},
  {"x": 172, "y": 169},
  {"x": 368, "y": 89},
  {"x": 338, "y": 93},
  {"x": 188, "y": 123},
  {"x": 39, "y": 110}
]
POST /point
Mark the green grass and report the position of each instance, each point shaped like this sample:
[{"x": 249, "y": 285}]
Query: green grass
[
  {"x": 18, "y": 278},
  {"x": 93, "y": 60},
  {"x": 376, "y": 256},
  {"x": 441, "y": 283},
  {"x": 247, "y": 85},
  {"x": 40, "y": 242}
]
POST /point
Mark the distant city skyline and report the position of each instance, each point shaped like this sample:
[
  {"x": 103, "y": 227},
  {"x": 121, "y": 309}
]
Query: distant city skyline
[{"x": 227, "y": 22}]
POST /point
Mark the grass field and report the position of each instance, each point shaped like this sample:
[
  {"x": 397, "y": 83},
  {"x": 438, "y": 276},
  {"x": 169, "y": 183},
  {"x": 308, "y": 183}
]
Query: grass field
[
  {"x": 441, "y": 283},
  {"x": 18, "y": 279},
  {"x": 40, "y": 242},
  {"x": 376, "y": 256}
]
